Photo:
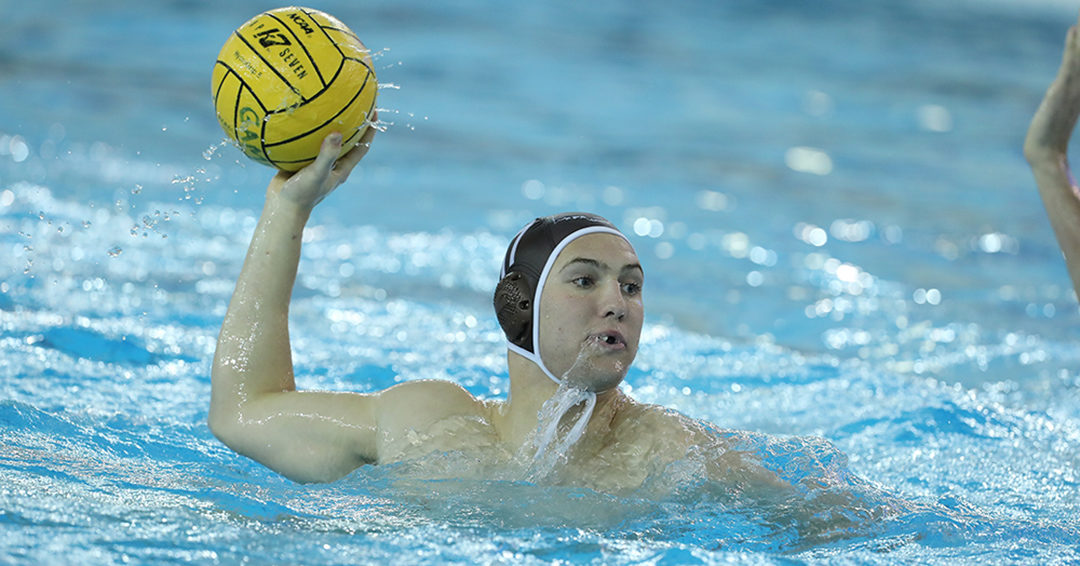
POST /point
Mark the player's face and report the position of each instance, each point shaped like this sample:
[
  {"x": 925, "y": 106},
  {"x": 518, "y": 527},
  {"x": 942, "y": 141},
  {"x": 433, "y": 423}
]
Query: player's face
[{"x": 591, "y": 312}]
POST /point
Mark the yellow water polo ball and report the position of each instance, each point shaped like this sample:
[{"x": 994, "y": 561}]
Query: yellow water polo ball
[{"x": 289, "y": 77}]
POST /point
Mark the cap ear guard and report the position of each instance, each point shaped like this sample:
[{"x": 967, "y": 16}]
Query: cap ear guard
[{"x": 513, "y": 308}]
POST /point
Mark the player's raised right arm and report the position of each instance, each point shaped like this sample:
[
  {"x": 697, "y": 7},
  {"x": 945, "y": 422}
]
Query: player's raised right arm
[
  {"x": 1045, "y": 149},
  {"x": 254, "y": 406}
]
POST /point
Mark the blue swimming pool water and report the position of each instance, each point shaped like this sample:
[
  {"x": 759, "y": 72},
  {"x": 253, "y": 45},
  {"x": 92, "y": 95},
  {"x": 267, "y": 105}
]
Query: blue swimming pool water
[{"x": 846, "y": 260}]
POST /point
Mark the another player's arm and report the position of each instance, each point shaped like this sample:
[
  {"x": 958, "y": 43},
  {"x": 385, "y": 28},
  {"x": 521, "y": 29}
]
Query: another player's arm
[
  {"x": 254, "y": 406},
  {"x": 1045, "y": 149}
]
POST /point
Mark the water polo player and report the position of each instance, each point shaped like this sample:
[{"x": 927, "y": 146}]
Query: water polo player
[{"x": 570, "y": 304}]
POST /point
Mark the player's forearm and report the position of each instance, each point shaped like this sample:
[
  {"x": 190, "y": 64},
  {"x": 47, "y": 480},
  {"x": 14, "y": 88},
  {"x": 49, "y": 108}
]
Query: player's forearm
[
  {"x": 1061, "y": 198},
  {"x": 1052, "y": 126},
  {"x": 1046, "y": 150},
  {"x": 253, "y": 354}
]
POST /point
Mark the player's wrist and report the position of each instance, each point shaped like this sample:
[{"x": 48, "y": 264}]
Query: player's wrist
[{"x": 285, "y": 211}]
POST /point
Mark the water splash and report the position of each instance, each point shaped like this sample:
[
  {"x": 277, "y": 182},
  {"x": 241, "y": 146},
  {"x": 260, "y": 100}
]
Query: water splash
[
  {"x": 376, "y": 55},
  {"x": 552, "y": 448},
  {"x": 212, "y": 151}
]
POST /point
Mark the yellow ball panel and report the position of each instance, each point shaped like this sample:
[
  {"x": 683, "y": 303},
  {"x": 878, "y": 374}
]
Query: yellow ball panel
[
  {"x": 225, "y": 95},
  {"x": 250, "y": 121},
  {"x": 219, "y": 74},
  {"x": 350, "y": 46},
  {"x": 326, "y": 20}
]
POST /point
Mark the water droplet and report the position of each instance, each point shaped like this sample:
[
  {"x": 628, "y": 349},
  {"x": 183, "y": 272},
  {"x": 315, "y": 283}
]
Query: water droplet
[{"x": 115, "y": 251}]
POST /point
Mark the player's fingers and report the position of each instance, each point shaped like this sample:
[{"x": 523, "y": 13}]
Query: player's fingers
[
  {"x": 328, "y": 153},
  {"x": 349, "y": 160}
]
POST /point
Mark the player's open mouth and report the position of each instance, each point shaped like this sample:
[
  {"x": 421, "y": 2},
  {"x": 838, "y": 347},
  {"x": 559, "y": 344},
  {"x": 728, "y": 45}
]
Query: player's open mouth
[{"x": 610, "y": 339}]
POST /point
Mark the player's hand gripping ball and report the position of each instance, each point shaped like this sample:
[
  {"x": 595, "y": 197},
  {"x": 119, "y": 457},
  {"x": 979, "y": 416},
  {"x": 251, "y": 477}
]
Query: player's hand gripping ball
[{"x": 289, "y": 77}]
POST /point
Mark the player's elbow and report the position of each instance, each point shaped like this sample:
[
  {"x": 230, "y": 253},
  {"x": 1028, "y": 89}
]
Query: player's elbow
[
  {"x": 1039, "y": 154},
  {"x": 225, "y": 412},
  {"x": 224, "y": 425},
  {"x": 219, "y": 427},
  {"x": 1033, "y": 153}
]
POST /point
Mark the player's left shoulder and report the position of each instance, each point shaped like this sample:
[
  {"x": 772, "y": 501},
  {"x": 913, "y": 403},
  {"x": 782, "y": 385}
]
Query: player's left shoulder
[{"x": 659, "y": 425}]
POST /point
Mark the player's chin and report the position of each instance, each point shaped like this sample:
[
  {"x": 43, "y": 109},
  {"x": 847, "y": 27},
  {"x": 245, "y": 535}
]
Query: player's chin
[{"x": 604, "y": 376}]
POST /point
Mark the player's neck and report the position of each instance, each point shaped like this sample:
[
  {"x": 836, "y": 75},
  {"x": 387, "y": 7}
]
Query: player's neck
[{"x": 530, "y": 388}]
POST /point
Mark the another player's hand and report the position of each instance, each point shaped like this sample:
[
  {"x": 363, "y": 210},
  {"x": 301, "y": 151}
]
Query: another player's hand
[
  {"x": 1056, "y": 118},
  {"x": 308, "y": 186}
]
